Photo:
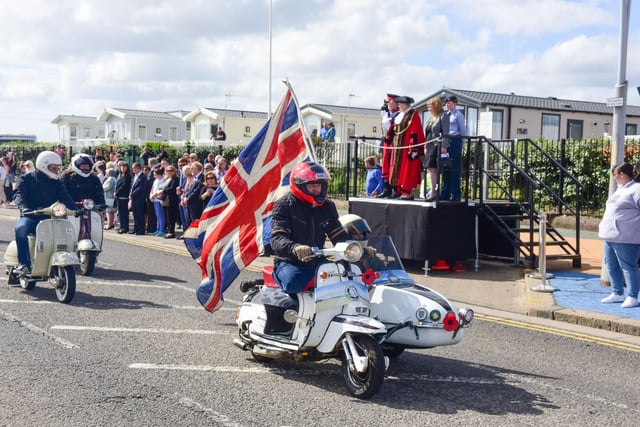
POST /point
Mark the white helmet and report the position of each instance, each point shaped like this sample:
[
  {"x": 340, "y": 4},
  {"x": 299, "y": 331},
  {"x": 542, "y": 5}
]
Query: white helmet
[
  {"x": 80, "y": 160},
  {"x": 356, "y": 227},
  {"x": 46, "y": 159}
]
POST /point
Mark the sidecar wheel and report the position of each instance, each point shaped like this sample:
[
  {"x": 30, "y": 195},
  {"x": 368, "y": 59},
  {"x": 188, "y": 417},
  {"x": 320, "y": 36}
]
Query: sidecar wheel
[
  {"x": 27, "y": 284},
  {"x": 366, "y": 384},
  {"x": 392, "y": 351},
  {"x": 261, "y": 359},
  {"x": 66, "y": 283},
  {"x": 87, "y": 262}
]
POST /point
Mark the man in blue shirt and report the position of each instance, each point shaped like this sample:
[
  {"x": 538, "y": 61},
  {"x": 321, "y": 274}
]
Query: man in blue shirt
[
  {"x": 454, "y": 120},
  {"x": 330, "y": 136}
]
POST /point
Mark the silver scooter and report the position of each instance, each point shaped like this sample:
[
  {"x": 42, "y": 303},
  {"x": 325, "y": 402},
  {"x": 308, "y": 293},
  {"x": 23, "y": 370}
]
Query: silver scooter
[{"x": 53, "y": 256}]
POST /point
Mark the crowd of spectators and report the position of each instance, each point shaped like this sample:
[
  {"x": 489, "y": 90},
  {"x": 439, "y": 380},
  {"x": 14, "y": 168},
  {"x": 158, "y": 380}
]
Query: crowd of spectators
[{"x": 158, "y": 195}]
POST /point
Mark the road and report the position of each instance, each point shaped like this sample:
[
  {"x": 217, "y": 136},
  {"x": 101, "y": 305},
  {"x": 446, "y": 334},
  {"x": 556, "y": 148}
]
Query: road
[{"x": 135, "y": 348}]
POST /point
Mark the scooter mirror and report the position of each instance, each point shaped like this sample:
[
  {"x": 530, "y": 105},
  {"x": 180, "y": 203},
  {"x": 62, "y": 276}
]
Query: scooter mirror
[{"x": 290, "y": 316}]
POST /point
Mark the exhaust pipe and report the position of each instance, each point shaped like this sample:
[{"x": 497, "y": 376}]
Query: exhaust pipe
[{"x": 240, "y": 344}]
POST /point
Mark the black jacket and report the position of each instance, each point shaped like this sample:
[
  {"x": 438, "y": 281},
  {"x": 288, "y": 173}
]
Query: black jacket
[
  {"x": 169, "y": 188},
  {"x": 123, "y": 186},
  {"x": 295, "y": 222},
  {"x": 35, "y": 190},
  {"x": 81, "y": 188}
]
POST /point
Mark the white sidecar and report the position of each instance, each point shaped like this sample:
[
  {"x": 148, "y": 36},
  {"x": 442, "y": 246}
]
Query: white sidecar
[{"x": 415, "y": 315}]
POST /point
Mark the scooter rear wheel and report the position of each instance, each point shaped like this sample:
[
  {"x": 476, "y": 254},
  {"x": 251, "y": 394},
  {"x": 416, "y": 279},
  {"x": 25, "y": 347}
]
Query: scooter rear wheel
[
  {"x": 27, "y": 284},
  {"x": 363, "y": 385},
  {"x": 65, "y": 277}
]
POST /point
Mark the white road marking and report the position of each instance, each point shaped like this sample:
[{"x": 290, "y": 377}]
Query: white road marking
[
  {"x": 12, "y": 301},
  {"x": 517, "y": 378},
  {"x": 134, "y": 285},
  {"x": 114, "y": 304},
  {"x": 216, "y": 416},
  {"x": 183, "y": 287},
  {"x": 201, "y": 368},
  {"x": 138, "y": 330},
  {"x": 106, "y": 264},
  {"x": 33, "y": 328},
  {"x": 264, "y": 370}
]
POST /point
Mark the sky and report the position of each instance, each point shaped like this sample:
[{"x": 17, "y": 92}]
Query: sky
[{"x": 80, "y": 57}]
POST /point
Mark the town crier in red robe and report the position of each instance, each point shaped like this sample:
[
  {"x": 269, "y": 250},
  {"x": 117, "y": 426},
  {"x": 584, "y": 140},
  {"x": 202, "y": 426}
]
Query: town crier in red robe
[{"x": 408, "y": 142}]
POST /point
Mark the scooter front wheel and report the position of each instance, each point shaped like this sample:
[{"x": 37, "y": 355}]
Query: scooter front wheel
[
  {"x": 363, "y": 385},
  {"x": 64, "y": 280},
  {"x": 87, "y": 262}
]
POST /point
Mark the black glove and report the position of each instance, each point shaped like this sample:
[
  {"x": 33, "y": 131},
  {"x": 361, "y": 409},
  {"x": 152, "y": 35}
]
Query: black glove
[
  {"x": 384, "y": 107},
  {"x": 413, "y": 155},
  {"x": 302, "y": 251}
]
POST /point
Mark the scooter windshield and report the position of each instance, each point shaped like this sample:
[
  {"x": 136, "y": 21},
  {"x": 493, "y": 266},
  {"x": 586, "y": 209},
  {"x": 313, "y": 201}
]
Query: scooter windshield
[{"x": 387, "y": 263}]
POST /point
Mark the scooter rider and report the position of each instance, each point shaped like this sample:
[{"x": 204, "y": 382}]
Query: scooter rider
[
  {"x": 81, "y": 182},
  {"x": 358, "y": 230},
  {"x": 37, "y": 190},
  {"x": 302, "y": 219}
]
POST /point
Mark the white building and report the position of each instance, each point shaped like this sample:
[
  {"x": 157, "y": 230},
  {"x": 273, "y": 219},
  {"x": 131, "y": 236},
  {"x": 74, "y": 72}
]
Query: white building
[
  {"x": 79, "y": 130},
  {"x": 140, "y": 126}
]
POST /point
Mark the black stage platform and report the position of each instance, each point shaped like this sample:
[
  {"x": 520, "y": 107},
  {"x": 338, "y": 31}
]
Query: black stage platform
[
  {"x": 449, "y": 231},
  {"x": 421, "y": 230}
]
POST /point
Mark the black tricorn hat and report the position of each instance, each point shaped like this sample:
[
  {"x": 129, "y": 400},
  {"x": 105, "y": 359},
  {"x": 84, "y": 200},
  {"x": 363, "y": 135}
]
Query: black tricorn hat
[{"x": 404, "y": 100}]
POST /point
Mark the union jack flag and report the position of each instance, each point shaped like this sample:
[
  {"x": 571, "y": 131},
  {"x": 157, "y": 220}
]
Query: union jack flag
[{"x": 235, "y": 226}]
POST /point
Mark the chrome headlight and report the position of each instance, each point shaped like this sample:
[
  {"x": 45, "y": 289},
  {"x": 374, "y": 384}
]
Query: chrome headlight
[
  {"x": 466, "y": 315},
  {"x": 353, "y": 252},
  {"x": 59, "y": 210},
  {"x": 88, "y": 204}
]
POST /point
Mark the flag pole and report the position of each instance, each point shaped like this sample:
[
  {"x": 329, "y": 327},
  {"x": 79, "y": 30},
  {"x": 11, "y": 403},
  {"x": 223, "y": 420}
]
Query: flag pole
[
  {"x": 303, "y": 126},
  {"x": 270, "y": 52}
]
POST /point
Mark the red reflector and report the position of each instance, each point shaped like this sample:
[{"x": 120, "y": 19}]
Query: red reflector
[{"x": 450, "y": 322}]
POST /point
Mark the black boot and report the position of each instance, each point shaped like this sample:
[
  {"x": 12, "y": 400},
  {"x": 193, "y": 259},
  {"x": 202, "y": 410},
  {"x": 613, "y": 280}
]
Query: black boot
[{"x": 386, "y": 190}]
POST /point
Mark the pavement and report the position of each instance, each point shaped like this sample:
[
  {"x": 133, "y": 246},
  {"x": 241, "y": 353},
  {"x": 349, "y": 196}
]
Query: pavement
[{"x": 494, "y": 285}]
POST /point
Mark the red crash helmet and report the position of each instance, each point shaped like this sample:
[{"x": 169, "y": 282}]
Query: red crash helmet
[{"x": 309, "y": 173}]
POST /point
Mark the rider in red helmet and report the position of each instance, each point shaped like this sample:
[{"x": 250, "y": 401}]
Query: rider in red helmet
[{"x": 302, "y": 219}]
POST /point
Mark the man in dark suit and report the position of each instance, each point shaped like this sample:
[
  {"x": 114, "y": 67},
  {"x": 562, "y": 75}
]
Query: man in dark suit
[
  {"x": 192, "y": 195},
  {"x": 137, "y": 199}
]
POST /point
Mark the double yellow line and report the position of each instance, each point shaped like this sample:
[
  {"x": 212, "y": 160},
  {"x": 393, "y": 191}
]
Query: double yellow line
[{"x": 561, "y": 333}]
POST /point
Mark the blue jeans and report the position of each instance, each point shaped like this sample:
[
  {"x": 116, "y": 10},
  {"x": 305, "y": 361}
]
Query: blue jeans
[
  {"x": 621, "y": 260},
  {"x": 159, "y": 210},
  {"x": 293, "y": 278},
  {"x": 451, "y": 178},
  {"x": 24, "y": 227},
  {"x": 184, "y": 217}
]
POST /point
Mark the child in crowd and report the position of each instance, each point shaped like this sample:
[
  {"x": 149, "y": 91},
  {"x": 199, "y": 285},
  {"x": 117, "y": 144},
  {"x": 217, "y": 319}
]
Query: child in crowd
[{"x": 374, "y": 177}]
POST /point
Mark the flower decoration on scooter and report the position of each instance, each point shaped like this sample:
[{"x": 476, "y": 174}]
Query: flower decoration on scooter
[
  {"x": 368, "y": 276},
  {"x": 450, "y": 322}
]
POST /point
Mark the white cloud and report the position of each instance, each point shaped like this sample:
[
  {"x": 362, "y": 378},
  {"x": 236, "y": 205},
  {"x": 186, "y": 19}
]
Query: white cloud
[{"x": 78, "y": 57}]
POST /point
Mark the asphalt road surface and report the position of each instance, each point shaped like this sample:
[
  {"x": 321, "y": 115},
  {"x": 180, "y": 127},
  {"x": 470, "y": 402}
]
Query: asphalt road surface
[{"x": 135, "y": 348}]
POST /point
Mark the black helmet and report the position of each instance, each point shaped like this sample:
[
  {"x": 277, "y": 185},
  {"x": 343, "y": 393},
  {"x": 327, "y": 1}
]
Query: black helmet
[
  {"x": 80, "y": 160},
  {"x": 309, "y": 173}
]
